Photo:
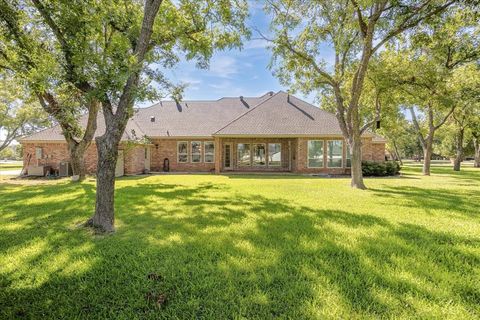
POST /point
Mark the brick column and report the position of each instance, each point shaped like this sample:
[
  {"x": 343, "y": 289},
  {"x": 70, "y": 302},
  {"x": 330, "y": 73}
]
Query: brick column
[{"x": 218, "y": 155}]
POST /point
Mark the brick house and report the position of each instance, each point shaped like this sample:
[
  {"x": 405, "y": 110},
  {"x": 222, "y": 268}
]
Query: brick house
[{"x": 276, "y": 132}]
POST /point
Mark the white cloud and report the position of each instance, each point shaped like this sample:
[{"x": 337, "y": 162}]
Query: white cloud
[
  {"x": 223, "y": 66},
  {"x": 256, "y": 44}
]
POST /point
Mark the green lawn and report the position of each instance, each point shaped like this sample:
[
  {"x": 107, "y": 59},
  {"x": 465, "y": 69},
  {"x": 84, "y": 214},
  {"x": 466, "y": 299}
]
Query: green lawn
[
  {"x": 8, "y": 166},
  {"x": 219, "y": 247}
]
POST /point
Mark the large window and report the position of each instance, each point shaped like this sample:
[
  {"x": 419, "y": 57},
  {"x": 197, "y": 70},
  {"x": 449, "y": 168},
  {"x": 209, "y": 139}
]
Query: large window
[
  {"x": 315, "y": 153},
  {"x": 274, "y": 154},
  {"x": 196, "y": 152},
  {"x": 334, "y": 153},
  {"x": 243, "y": 154},
  {"x": 209, "y": 151},
  {"x": 182, "y": 151},
  {"x": 348, "y": 158},
  {"x": 259, "y": 156}
]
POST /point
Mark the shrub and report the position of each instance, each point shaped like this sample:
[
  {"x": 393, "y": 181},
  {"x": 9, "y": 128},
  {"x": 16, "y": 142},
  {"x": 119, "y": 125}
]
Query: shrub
[{"x": 380, "y": 169}]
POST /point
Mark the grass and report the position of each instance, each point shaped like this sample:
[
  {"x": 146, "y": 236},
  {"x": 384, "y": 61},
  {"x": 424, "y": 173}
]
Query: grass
[
  {"x": 11, "y": 165},
  {"x": 233, "y": 247}
]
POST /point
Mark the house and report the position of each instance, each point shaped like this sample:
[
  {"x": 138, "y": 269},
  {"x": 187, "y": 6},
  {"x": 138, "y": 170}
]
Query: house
[{"x": 275, "y": 132}]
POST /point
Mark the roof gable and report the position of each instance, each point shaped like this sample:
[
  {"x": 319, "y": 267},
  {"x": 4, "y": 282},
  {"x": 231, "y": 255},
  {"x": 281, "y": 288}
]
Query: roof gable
[{"x": 283, "y": 114}]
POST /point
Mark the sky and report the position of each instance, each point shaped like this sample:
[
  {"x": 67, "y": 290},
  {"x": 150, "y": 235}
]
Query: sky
[{"x": 236, "y": 72}]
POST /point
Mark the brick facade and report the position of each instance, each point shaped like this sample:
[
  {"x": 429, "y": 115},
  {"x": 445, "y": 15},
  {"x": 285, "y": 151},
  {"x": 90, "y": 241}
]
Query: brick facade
[
  {"x": 56, "y": 152},
  {"x": 167, "y": 149},
  {"x": 294, "y": 153}
]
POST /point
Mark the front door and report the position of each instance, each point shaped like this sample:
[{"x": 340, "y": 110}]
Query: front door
[
  {"x": 227, "y": 156},
  {"x": 147, "y": 158}
]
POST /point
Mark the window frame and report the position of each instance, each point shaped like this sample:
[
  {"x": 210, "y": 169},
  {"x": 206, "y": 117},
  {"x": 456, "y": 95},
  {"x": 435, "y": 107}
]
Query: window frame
[
  {"x": 252, "y": 156},
  {"x": 341, "y": 158},
  {"x": 209, "y": 153},
  {"x": 249, "y": 155},
  {"x": 323, "y": 154},
  {"x": 178, "y": 153},
  {"x": 268, "y": 154},
  {"x": 195, "y": 154}
]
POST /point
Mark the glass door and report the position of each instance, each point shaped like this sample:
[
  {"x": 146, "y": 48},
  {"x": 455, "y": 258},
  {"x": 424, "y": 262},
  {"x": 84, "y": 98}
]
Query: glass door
[{"x": 227, "y": 156}]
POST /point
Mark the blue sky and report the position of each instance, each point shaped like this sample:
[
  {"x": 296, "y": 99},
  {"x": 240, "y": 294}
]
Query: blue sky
[{"x": 232, "y": 73}]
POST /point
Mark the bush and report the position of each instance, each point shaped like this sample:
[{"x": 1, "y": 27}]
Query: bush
[{"x": 380, "y": 169}]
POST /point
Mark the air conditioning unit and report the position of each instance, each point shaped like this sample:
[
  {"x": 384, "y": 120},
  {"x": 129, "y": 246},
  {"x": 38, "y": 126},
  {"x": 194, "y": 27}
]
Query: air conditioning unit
[{"x": 65, "y": 169}]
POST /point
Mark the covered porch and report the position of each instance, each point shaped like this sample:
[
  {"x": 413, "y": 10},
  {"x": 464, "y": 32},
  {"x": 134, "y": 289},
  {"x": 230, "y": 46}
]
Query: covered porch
[{"x": 255, "y": 154}]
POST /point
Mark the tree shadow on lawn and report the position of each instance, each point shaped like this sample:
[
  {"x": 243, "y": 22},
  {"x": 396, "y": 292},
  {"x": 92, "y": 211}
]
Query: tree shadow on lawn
[
  {"x": 220, "y": 254},
  {"x": 456, "y": 202}
]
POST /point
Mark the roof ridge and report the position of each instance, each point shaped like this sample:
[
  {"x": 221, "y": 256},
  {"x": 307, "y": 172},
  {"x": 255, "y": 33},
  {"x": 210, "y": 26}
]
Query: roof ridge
[{"x": 243, "y": 114}]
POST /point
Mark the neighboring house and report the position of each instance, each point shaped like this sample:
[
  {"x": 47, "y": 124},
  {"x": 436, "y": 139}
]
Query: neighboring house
[{"x": 276, "y": 132}]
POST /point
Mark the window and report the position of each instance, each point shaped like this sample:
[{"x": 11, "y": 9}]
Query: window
[
  {"x": 259, "y": 155},
  {"x": 196, "y": 152},
  {"x": 349, "y": 158},
  {"x": 315, "y": 153},
  {"x": 334, "y": 153},
  {"x": 243, "y": 154},
  {"x": 182, "y": 152},
  {"x": 274, "y": 154},
  {"x": 209, "y": 152}
]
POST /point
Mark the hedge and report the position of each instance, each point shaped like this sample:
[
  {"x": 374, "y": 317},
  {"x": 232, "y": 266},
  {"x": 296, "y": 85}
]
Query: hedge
[{"x": 380, "y": 169}]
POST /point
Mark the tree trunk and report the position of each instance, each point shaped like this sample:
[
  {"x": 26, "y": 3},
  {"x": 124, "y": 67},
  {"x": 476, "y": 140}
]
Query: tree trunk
[
  {"x": 476, "y": 144},
  {"x": 104, "y": 217},
  {"x": 427, "y": 156},
  {"x": 397, "y": 154},
  {"x": 459, "y": 146},
  {"x": 77, "y": 159},
  {"x": 356, "y": 158}
]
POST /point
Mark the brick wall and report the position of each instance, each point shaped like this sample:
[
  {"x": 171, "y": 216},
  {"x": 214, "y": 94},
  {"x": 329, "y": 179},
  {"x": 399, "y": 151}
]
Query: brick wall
[
  {"x": 167, "y": 148},
  {"x": 134, "y": 159},
  {"x": 54, "y": 153}
]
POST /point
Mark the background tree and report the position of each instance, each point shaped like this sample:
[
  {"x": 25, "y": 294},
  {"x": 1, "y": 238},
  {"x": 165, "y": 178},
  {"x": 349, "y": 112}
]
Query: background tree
[
  {"x": 109, "y": 47},
  {"x": 20, "y": 114},
  {"x": 423, "y": 65},
  {"x": 355, "y": 30},
  {"x": 29, "y": 53}
]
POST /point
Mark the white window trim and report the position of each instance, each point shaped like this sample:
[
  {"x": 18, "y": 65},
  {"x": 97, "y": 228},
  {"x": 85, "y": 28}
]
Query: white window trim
[
  {"x": 250, "y": 151},
  {"x": 323, "y": 155},
  {"x": 205, "y": 153},
  {"x": 178, "y": 153},
  {"x": 268, "y": 155},
  {"x": 192, "y": 154},
  {"x": 326, "y": 158},
  {"x": 252, "y": 156}
]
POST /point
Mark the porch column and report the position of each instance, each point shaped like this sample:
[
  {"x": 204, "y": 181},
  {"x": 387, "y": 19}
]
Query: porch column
[{"x": 218, "y": 155}]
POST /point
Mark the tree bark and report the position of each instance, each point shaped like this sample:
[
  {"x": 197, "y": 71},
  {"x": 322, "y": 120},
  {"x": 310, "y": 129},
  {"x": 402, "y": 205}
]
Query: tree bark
[
  {"x": 459, "y": 150},
  {"x": 77, "y": 160},
  {"x": 356, "y": 158},
  {"x": 427, "y": 155},
  {"x": 104, "y": 217},
  {"x": 476, "y": 144},
  {"x": 397, "y": 154}
]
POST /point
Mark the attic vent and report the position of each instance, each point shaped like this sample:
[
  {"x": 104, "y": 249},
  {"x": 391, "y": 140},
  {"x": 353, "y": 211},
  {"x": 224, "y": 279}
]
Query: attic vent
[
  {"x": 241, "y": 98},
  {"x": 270, "y": 93},
  {"x": 152, "y": 119}
]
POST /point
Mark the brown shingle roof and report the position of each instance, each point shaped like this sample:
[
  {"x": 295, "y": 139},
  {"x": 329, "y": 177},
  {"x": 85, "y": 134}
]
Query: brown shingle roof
[
  {"x": 268, "y": 115},
  {"x": 281, "y": 115}
]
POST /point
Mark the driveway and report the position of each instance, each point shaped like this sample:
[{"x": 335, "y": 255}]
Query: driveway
[{"x": 10, "y": 172}]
